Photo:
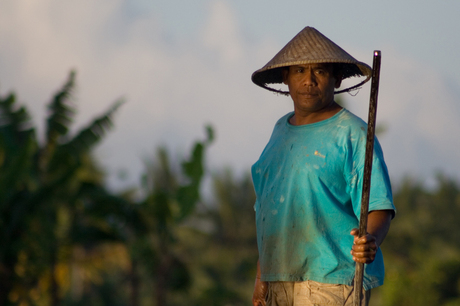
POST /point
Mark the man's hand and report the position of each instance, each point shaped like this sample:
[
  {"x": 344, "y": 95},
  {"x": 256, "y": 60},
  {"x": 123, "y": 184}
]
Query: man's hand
[
  {"x": 260, "y": 289},
  {"x": 260, "y": 292},
  {"x": 364, "y": 248}
]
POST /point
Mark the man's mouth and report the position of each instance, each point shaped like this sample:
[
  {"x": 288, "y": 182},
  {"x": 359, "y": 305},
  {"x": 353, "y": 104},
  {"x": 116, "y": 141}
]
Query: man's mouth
[{"x": 308, "y": 94}]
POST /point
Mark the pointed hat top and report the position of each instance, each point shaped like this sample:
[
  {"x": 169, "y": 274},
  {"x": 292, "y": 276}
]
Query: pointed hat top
[{"x": 310, "y": 47}]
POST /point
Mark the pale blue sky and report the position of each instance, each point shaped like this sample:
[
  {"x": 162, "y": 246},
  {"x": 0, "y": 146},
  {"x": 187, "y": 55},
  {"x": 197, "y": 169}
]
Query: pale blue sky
[
  {"x": 429, "y": 31},
  {"x": 182, "y": 64}
]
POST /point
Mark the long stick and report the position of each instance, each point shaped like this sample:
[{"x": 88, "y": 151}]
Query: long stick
[{"x": 359, "y": 271}]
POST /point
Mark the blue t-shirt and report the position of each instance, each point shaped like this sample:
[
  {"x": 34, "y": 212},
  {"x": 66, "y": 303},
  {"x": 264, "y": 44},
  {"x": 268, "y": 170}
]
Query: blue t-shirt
[{"x": 308, "y": 184}]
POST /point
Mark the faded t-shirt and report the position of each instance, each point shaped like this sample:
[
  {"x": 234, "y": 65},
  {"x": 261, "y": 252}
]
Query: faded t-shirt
[{"x": 308, "y": 183}]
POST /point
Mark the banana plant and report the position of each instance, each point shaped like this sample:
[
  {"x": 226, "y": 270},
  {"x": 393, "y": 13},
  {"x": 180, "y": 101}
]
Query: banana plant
[
  {"x": 171, "y": 194},
  {"x": 40, "y": 184}
]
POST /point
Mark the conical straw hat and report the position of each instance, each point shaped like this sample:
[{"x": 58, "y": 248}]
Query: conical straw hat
[{"x": 310, "y": 47}]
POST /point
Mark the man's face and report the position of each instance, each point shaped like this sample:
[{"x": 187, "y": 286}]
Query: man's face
[{"x": 311, "y": 86}]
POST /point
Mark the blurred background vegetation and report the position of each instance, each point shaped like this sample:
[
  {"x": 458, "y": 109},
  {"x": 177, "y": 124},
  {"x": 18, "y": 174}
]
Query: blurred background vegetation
[{"x": 67, "y": 240}]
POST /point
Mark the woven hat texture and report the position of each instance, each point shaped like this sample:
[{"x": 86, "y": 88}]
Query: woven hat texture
[{"x": 310, "y": 47}]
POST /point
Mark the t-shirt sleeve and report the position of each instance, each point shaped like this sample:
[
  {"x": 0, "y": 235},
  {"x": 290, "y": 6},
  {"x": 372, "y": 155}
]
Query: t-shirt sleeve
[{"x": 381, "y": 197}]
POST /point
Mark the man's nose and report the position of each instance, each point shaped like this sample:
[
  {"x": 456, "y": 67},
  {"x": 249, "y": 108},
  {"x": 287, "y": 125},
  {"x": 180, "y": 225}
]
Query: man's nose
[{"x": 309, "y": 79}]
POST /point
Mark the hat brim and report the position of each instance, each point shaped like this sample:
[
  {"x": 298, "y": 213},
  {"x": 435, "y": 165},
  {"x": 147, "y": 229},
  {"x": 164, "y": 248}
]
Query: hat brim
[{"x": 273, "y": 74}]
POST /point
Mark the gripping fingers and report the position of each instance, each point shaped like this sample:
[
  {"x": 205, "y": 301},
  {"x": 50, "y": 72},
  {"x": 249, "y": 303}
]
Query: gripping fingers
[
  {"x": 364, "y": 248},
  {"x": 258, "y": 303},
  {"x": 363, "y": 253},
  {"x": 363, "y": 257}
]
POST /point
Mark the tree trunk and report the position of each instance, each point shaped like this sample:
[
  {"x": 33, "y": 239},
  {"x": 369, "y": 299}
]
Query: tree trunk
[
  {"x": 161, "y": 287},
  {"x": 6, "y": 284},
  {"x": 54, "y": 288},
  {"x": 161, "y": 283},
  {"x": 135, "y": 283}
]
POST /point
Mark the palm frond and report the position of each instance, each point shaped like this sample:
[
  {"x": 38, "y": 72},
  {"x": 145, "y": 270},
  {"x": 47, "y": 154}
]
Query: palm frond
[
  {"x": 15, "y": 124},
  {"x": 17, "y": 146},
  {"x": 189, "y": 194},
  {"x": 69, "y": 153},
  {"x": 59, "y": 119},
  {"x": 92, "y": 134},
  {"x": 61, "y": 112}
]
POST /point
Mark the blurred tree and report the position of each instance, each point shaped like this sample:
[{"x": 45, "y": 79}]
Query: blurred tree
[
  {"x": 171, "y": 194},
  {"x": 40, "y": 186},
  {"x": 229, "y": 256},
  {"x": 66, "y": 240},
  {"x": 422, "y": 249}
]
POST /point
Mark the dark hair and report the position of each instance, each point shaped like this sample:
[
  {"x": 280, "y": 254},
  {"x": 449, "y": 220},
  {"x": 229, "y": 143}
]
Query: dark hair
[{"x": 337, "y": 70}]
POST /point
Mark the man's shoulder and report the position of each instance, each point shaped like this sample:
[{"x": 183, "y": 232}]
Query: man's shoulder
[
  {"x": 285, "y": 118},
  {"x": 351, "y": 118},
  {"x": 282, "y": 122},
  {"x": 351, "y": 122}
]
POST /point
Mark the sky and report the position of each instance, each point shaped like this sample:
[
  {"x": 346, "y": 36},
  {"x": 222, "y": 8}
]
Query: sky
[{"x": 181, "y": 65}]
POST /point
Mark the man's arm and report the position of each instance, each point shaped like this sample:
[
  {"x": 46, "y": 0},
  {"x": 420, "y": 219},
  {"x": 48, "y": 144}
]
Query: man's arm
[
  {"x": 365, "y": 248},
  {"x": 260, "y": 290}
]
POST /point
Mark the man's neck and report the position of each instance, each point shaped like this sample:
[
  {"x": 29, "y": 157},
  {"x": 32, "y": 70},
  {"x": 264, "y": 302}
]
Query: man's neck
[{"x": 302, "y": 117}]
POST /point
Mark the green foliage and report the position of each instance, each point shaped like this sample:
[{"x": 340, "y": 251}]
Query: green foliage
[
  {"x": 422, "y": 250},
  {"x": 226, "y": 260},
  {"x": 67, "y": 241},
  {"x": 171, "y": 194},
  {"x": 41, "y": 188},
  {"x": 17, "y": 147}
]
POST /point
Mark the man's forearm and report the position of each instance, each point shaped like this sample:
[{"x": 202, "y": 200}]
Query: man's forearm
[
  {"x": 258, "y": 275},
  {"x": 378, "y": 224},
  {"x": 260, "y": 289}
]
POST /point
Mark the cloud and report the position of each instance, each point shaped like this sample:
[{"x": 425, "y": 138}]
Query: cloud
[
  {"x": 418, "y": 107},
  {"x": 221, "y": 33},
  {"x": 173, "y": 90}
]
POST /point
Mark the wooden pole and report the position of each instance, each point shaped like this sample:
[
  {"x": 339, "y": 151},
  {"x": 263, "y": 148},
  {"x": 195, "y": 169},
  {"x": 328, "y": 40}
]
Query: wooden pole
[{"x": 359, "y": 271}]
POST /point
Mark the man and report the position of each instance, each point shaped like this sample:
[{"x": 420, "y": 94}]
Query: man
[{"x": 308, "y": 183}]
